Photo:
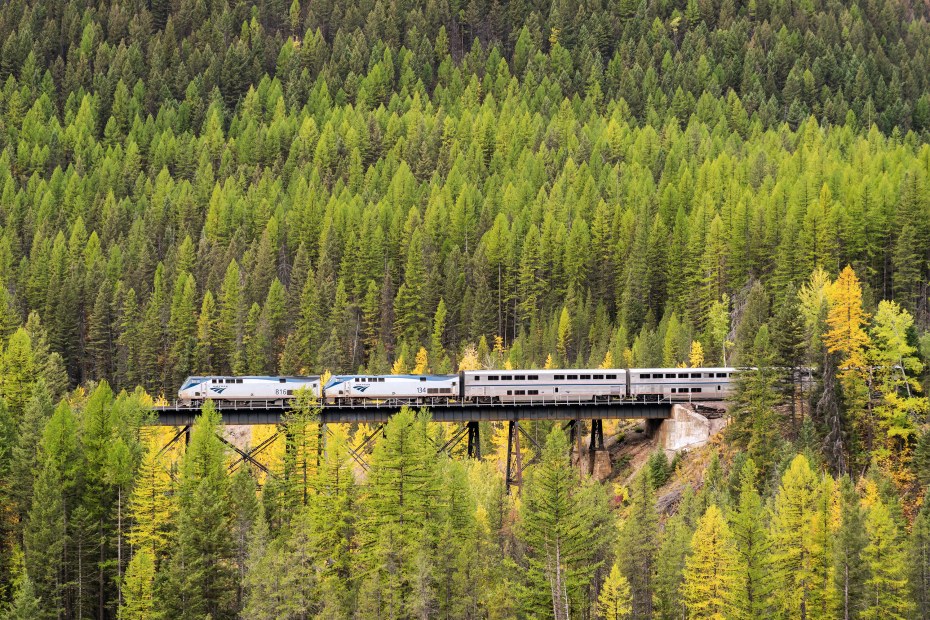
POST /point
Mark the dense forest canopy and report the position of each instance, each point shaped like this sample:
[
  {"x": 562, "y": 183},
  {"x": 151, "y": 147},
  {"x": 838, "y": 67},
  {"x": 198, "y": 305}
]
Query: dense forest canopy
[{"x": 198, "y": 187}]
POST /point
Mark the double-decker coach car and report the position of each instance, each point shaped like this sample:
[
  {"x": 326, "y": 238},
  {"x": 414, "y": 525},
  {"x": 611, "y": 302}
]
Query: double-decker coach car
[
  {"x": 244, "y": 390},
  {"x": 392, "y": 389},
  {"x": 487, "y": 386},
  {"x": 681, "y": 384}
]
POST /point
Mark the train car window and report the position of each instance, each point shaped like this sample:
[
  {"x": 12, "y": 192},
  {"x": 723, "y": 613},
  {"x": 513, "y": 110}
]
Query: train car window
[
  {"x": 519, "y": 392},
  {"x": 695, "y": 375},
  {"x": 532, "y": 377},
  {"x": 585, "y": 377},
  {"x": 380, "y": 379},
  {"x": 559, "y": 377},
  {"x": 238, "y": 380},
  {"x": 506, "y": 377},
  {"x": 492, "y": 377},
  {"x": 695, "y": 389},
  {"x": 598, "y": 376},
  {"x": 645, "y": 376},
  {"x": 721, "y": 374},
  {"x": 422, "y": 378},
  {"x": 519, "y": 377},
  {"x": 477, "y": 378},
  {"x": 669, "y": 375},
  {"x": 673, "y": 390},
  {"x": 572, "y": 377},
  {"x": 532, "y": 392},
  {"x": 509, "y": 392},
  {"x": 682, "y": 375},
  {"x": 290, "y": 392},
  {"x": 718, "y": 388},
  {"x": 282, "y": 380},
  {"x": 610, "y": 376}
]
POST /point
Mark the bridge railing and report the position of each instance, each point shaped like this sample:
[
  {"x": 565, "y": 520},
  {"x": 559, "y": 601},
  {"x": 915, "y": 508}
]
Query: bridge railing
[{"x": 428, "y": 402}]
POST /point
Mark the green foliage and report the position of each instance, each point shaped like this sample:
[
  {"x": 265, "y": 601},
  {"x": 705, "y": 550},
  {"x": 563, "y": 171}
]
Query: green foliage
[{"x": 559, "y": 525}]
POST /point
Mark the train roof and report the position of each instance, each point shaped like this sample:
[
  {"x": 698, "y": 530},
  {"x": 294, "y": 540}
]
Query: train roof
[{"x": 310, "y": 377}]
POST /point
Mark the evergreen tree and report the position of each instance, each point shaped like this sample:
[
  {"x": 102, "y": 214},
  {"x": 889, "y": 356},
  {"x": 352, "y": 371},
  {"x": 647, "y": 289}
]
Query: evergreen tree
[
  {"x": 199, "y": 577},
  {"x": 556, "y": 523},
  {"x": 637, "y": 555},
  {"x": 752, "y": 547},
  {"x": 792, "y": 558},
  {"x": 614, "y": 601},
  {"x": 138, "y": 592},
  {"x": 919, "y": 559},
  {"x": 710, "y": 576},
  {"x": 885, "y": 593},
  {"x": 755, "y": 418},
  {"x": 851, "y": 538}
]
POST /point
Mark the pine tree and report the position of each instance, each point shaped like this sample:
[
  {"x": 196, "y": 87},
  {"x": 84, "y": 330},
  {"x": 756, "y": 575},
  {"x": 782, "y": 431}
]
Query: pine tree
[
  {"x": 401, "y": 498},
  {"x": 229, "y": 321},
  {"x": 919, "y": 559},
  {"x": 47, "y": 533},
  {"x": 182, "y": 327},
  {"x": 792, "y": 556},
  {"x": 885, "y": 593},
  {"x": 755, "y": 424},
  {"x": 205, "y": 349},
  {"x": 556, "y": 519},
  {"x": 710, "y": 575},
  {"x": 670, "y": 561},
  {"x": 639, "y": 533},
  {"x": 199, "y": 578},
  {"x": 752, "y": 546},
  {"x": 849, "y": 565}
]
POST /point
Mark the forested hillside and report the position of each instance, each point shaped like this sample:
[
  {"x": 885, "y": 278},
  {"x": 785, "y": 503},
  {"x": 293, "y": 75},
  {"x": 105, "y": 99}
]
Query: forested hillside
[{"x": 195, "y": 186}]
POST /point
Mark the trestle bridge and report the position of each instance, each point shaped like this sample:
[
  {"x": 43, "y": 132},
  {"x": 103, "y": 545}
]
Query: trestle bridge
[{"x": 468, "y": 416}]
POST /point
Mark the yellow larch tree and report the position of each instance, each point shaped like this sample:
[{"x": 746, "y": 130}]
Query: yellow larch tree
[
  {"x": 710, "y": 578},
  {"x": 608, "y": 361},
  {"x": 696, "y": 355},
  {"x": 469, "y": 359},
  {"x": 846, "y": 320},
  {"x": 615, "y": 601},
  {"x": 150, "y": 506},
  {"x": 422, "y": 365}
]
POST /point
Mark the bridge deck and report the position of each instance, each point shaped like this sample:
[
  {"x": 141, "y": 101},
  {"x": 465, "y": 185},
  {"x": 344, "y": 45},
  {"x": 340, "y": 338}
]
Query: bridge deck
[{"x": 176, "y": 415}]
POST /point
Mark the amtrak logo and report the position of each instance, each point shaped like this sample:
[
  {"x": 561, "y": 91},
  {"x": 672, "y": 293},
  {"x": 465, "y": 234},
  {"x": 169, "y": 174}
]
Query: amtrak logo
[
  {"x": 218, "y": 390},
  {"x": 360, "y": 388}
]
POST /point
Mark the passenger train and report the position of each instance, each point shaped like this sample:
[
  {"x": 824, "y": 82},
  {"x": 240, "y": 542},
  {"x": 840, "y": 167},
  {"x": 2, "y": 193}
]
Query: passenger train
[{"x": 473, "y": 386}]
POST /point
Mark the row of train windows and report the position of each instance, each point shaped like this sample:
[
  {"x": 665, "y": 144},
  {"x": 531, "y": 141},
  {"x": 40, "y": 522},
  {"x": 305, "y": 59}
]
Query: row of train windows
[
  {"x": 522, "y": 392},
  {"x": 682, "y": 375},
  {"x": 225, "y": 380},
  {"x": 370, "y": 379},
  {"x": 438, "y": 390},
  {"x": 555, "y": 377},
  {"x": 685, "y": 390}
]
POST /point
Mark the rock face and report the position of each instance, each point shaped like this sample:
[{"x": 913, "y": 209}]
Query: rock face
[
  {"x": 687, "y": 429},
  {"x": 603, "y": 465}
]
